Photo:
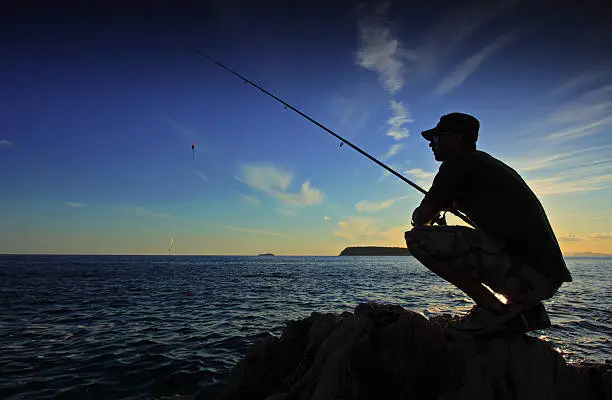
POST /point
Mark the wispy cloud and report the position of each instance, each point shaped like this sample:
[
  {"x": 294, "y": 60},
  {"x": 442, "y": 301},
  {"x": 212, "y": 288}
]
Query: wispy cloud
[
  {"x": 573, "y": 158},
  {"x": 585, "y": 237},
  {"x": 385, "y": 174},
  {"x": 250, "y": 199},
  {"x": 307, "y": 196},
  {"x": 470, "y": 64},
  {"x": 373, "y": 206},
  {"x": 249, "y": 230},
  {"x": 393, "y": 150},
  {"x": 444, "y": 38},
  {"x": 352, "y": 110},
  {"x": 573, "y": 170},
  {"x": 286, "y": 212},
  {"x": 398, "y": 167},
  {"x": 369, "y": 231},
  {"x": 191, "y": 135},
  {"x": 587, "y": 111},
  {"x": 275, "y": 182},
  {"x": 380, "y": 50},
  {"x": 187, "y": 133},
  {"x": 581, "y": 112},
  {"x": 147, "y": 212},
  {"x": 74, "y": 204},
  {"x": 579, "y": 131},
  {"x": 584, "y": 79},
  {"x": 400, "y": 117},
  {"x": 5, "y": 142},
  {"x": 201, "y": 175},
  {"x": 422, "y": 178},
  {"x": 595, "y": 176},
  {"x": 420, "y": 174}
]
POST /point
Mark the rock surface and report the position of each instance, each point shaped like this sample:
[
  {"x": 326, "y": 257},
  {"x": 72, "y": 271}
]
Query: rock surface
[{"x": 387, "y": 352}]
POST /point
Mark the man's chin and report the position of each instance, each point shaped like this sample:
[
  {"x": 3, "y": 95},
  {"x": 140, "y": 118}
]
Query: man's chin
[{"x": 437, "y": 157}]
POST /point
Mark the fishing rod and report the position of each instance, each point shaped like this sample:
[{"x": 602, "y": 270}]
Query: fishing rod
[{"x": 326, "y": 129}]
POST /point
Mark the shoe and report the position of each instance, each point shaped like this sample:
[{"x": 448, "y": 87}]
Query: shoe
[
  {"x": 530, "y": 319},
  {"x": 480, "y": 320}
]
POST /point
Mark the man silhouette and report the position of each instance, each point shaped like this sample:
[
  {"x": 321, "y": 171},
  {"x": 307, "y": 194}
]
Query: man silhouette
[{"x": 512, "y": 248}]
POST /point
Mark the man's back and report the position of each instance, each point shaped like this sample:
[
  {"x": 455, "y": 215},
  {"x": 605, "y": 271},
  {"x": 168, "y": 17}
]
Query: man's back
[{"x": 499, "y": 202}]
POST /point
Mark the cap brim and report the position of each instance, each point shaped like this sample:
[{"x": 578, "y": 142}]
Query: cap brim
[{"x": 428, "y": 134}]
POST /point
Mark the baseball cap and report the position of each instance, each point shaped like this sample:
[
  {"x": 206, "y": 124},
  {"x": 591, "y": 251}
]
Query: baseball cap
[{"x": 461, "y": 123}]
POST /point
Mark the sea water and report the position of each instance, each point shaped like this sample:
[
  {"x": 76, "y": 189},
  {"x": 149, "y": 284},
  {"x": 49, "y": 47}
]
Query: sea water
[{"x": 160, "y": 326}]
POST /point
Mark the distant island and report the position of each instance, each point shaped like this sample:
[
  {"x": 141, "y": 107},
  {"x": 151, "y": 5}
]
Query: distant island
[
  {"x": 265, "y": 254},
  {"x": 375, "y": 251}
]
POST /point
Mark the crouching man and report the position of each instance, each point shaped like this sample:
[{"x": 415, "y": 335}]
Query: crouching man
[{"x": 512, "y": 248}]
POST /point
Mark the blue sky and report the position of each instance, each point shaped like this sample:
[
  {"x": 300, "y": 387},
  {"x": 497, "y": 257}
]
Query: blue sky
[{"x": 100, "y": 108}]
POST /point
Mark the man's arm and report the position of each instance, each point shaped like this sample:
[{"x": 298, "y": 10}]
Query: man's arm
[
  {"x": 425, "y": 213},
  {"x": 441, "y": 195}
]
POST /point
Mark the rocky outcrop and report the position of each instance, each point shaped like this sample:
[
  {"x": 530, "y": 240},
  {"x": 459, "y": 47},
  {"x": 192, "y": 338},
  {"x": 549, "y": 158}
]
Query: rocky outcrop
[
  {"x": 386, "y": 352},
  {"x": 375, "y": 251}
]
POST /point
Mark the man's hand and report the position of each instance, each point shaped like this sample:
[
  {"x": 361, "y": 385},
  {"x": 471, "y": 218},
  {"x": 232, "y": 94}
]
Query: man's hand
[{"x": 425, "y": 214}]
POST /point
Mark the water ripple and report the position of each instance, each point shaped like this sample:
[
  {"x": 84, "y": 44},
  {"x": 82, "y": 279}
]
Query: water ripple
[{"x": 158, "y": 327}]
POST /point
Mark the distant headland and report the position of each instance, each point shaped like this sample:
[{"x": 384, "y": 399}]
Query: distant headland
[
  {"x": 265, "y": 254},
  {"x": 375, "y": 251}
]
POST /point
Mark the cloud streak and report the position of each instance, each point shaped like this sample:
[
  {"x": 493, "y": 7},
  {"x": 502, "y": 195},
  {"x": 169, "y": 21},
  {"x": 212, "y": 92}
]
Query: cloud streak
[
  {"x": 201, "y": 175},
  {"x": 147, "y": 212},
  {"x": 470, "y": 64},
  {"x": 252, "y": 231},
  {"x": 579, "y": 131},
  {"x": 353, "y": 110},
  {"x": 5, "y": 143},
  {"x": 574, "y": 170},
  {"x": 250, "y": 199},
  {"x": 584, "y": 79},
  {"x": 368, "y": 231},
  {"x": 400, "y": 117},
  {"x": 422, "y": 178},
  {"x": 591, "y": 177},
  {"x": 380, "y": 50},
  {"x": 574, "y": 158},
  {"x": 189, "y": 134},
  {"x": 74, "y": 204},
  {"x": 420, "y": 174},
  {"x": 393, "y": 150},
  {"x": 443, "y": 39},
  {"x": 585, "y": 237},
  {"x": 275, "y": 182},
  {"x": 373, "y": 206},
  {"x": 583, "y": 114}
]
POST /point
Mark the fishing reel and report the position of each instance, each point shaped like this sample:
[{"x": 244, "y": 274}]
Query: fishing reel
[{"x": 439, "y": 219}]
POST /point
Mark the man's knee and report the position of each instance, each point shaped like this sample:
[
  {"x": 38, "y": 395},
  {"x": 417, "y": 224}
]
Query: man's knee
[
  {"x": 416, "y": 241},
  {"x": 414, "y": 236}
]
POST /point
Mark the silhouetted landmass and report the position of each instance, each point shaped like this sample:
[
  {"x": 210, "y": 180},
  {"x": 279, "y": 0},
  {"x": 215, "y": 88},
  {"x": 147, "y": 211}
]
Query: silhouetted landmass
[
  {"x": 375, "y": 251},
  {"x": 266, "y": 254}
]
